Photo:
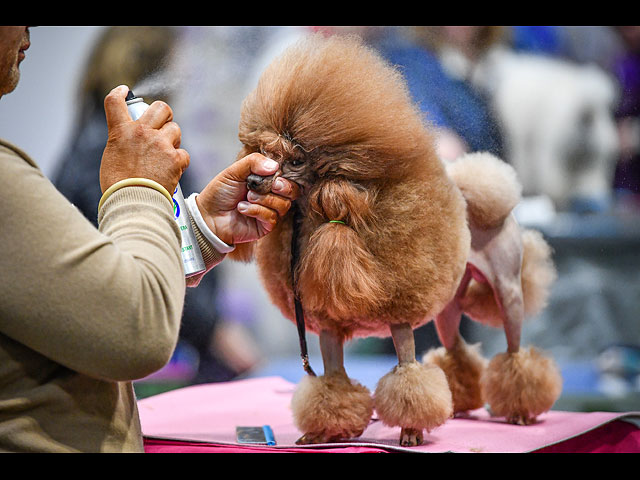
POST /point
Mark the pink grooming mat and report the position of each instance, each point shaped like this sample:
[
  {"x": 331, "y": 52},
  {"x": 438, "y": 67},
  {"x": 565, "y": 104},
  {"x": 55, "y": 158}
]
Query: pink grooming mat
[{"x": 203, "y": 418}]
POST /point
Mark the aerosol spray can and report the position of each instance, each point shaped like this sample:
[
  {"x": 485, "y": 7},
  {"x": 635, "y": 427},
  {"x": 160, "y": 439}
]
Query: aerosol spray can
[{"x": 191, "y": 255}]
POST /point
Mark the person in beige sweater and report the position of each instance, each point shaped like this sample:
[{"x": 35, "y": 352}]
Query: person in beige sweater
[{"x": 85, "y": 311}]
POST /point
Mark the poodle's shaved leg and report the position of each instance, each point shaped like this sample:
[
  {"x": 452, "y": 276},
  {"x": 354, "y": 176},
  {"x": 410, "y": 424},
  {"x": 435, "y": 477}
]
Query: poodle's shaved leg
[
  {"x": 412, "y": 396},
  {"x": 512, "y": 306},
  {"x": 320, "y": 407},
  {"x": 504, "y": 255},
  {"x": 447, "y": 322},
  {"x": 447, "y": 325},
  {"x": 518, "y": 401},
  {"x": 462, "y": 364},
  {"x": 404, "y": 343},
  {"x": 331, "y": 347}
]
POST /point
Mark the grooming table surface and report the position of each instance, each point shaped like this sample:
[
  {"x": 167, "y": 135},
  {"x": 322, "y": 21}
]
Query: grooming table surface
[{"x": 203, "y": 418}]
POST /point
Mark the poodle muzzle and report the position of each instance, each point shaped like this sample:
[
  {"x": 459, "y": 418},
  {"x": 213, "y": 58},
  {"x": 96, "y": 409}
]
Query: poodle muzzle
[{"x": 262, "y": 185}]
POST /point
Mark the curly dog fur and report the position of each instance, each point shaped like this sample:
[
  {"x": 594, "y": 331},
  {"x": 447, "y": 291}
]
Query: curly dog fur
[
  {"x": 521, "y": 385},
  {"x": 463, "y": 366},
  {"x": 397, "y": 408},
  {"x": 342, "y": 125},
  {"x": 324, "y": 406},
  {"x": 385, "y": 232}
]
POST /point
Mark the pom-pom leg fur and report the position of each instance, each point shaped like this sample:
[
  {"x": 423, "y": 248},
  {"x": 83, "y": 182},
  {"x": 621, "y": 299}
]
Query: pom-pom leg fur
[
  {"x": 521, "y": 385},
  {"x": 463, "y": 366},
  {"x": 518, "y": 384},
  {"x": 412, "y": 396},
  {"x": 331, "y": 407}
]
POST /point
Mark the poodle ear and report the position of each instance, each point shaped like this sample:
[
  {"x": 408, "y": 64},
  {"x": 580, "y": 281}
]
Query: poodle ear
[
  {"x": 337, "y": 274},
  {"x": 340, "y": 200}
]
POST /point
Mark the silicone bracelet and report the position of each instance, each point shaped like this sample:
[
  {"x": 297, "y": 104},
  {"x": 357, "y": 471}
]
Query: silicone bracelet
[
  {"x": 134, "y": 182},
  {"x": 194, "y": 211}
]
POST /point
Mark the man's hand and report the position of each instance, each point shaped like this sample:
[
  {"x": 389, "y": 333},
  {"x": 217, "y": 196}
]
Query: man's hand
[
  {"x": 147, "y": 148},
  {"x": 237, "y": 215}
]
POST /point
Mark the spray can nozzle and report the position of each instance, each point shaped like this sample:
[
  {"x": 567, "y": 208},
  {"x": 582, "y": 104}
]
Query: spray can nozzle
[{"x": 131, "y": 99}]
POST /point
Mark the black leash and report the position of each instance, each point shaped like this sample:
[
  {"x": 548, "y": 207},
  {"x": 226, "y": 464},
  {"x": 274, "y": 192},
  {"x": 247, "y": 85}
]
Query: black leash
[{"x": 295, "y": 253}]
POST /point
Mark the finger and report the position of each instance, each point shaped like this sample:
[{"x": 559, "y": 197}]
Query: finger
[
  {"x": 173, "y": 132},
  {"x": 267, "y": 217},
  {"x": 157, "y": 114},
  {"x": 115, "y": 107},
  {"x": 252, "y": 163},
  {"x": 286, "y": 188},
  {"x": 184, "y": 158},
  {"x": 273, "y": 202}
]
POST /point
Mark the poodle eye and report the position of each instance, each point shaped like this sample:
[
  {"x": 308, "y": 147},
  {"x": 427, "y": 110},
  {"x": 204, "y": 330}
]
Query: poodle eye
[{"x": 298, "y": 158}]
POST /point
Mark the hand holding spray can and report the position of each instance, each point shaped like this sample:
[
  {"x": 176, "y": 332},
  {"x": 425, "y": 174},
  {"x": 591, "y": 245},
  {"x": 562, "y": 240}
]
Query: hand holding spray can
[{"x": 191, "y": 255}]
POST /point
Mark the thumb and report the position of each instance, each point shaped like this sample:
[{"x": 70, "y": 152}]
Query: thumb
[
  {"x": 253, "y": 163},
  {"x": 115, "y": 107}
]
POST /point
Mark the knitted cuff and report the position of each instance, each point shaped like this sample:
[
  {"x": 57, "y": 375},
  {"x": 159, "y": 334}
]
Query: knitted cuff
[{"x": 138, "y": 182}]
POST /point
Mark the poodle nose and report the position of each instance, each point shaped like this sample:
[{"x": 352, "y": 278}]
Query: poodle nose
[{"x": 259, "y": 184}]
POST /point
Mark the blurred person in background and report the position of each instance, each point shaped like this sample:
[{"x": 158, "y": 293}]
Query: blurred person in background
[
  {"x": 438, "y": 64},
  {"x": 209, "y": 350},
  {"x": 627, "y": 72},
  {"x": 554, "y": 102}
]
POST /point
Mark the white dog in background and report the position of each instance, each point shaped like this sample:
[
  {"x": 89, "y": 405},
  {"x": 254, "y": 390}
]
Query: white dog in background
[{"x": 557, "y": 119}]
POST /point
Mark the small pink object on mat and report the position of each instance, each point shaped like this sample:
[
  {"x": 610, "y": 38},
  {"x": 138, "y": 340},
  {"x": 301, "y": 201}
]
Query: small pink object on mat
[{"x": 203, "y": 418}]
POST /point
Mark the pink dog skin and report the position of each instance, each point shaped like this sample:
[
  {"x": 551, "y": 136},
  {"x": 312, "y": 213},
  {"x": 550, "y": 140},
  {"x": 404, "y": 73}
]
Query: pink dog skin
[{"x": 495, "y": 258}]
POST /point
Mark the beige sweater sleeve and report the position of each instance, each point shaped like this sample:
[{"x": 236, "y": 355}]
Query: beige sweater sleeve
[{"x": 104, "y": 303}]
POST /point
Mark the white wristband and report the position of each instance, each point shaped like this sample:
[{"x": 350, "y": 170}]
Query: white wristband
[{"x": 218, "y": 244}]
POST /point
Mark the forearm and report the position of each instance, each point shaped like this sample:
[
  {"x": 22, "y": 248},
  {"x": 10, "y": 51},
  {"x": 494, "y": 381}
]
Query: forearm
[
  {"x": 143, "y": 260},
  {"x": 105, "y": 304}
]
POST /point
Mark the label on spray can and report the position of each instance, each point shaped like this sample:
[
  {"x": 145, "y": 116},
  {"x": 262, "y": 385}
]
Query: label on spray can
[{"x": 191, "y": 255}]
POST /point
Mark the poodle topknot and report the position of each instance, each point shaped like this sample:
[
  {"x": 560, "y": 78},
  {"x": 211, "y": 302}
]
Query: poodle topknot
[{"x": 342, "y": 125}]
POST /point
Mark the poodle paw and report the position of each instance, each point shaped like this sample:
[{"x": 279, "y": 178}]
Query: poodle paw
[
  {"x": 411, "y": 437},
  {"x": 520, "y": 419},
  {"x": 318, "y": 437}
]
